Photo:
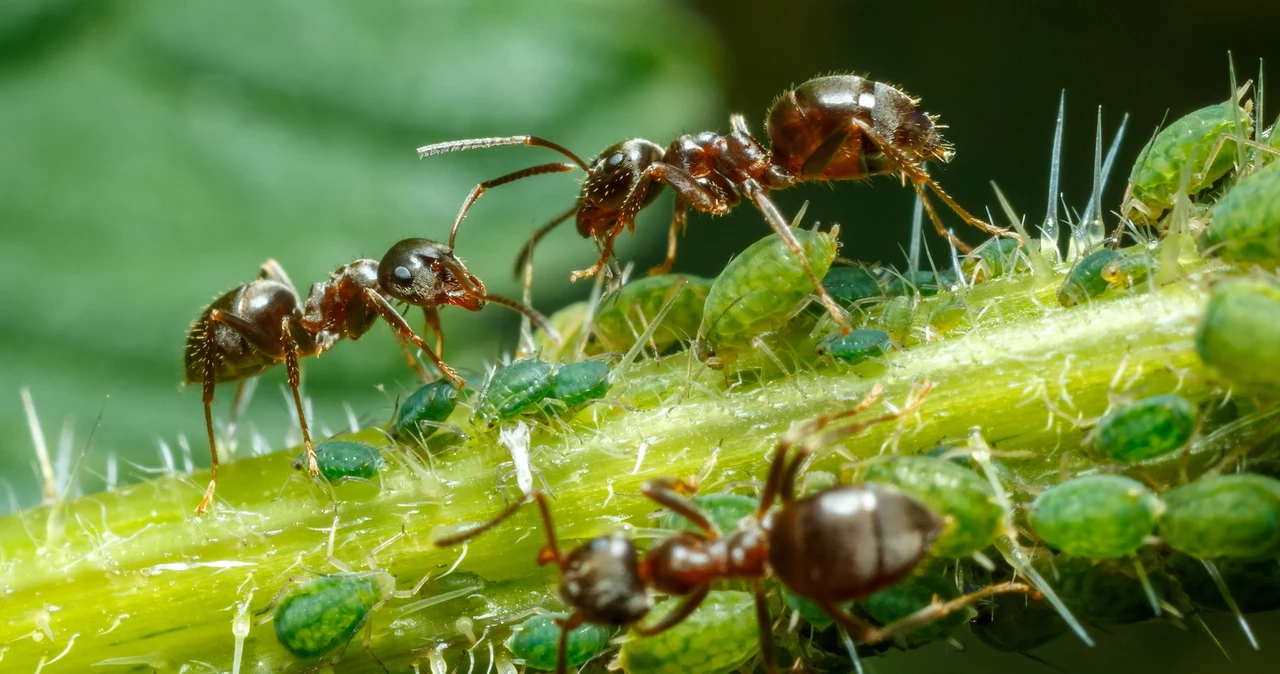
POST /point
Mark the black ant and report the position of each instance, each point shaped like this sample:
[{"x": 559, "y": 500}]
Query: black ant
[
  {"x": 833, "y": 546},
  {"x": 257, "y": 325},
  {"x": 841, "y": 127}
]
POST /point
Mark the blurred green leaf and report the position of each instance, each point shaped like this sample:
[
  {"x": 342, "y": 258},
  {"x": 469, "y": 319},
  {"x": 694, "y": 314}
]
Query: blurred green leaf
[{"x": 158, "y": 152}]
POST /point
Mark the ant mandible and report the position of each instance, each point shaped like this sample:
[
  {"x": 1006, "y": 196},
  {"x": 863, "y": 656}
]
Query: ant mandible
[
  {"x": 841, "y": 127},
  {"x": 264, "y": 322},
  {"x": 833, "y": 546}
]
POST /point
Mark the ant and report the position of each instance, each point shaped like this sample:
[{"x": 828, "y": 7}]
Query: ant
[
  {"x": 261, "y": 323},
  {"x": 840, "y": 127},
  {"x": 833, "y": 546}
]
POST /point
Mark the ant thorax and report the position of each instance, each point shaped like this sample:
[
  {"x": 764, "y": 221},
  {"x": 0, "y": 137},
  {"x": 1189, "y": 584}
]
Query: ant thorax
[{"x": 336, "y": 308}]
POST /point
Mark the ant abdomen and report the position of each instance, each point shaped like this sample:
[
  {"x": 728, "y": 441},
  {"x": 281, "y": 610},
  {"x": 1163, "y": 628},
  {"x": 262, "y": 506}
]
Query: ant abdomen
[{"x": 264, "y": 303}]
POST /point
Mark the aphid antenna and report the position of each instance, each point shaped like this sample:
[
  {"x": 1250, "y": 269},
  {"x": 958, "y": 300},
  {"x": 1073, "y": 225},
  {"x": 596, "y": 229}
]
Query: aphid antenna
[{"x": 1049, "y": 230}]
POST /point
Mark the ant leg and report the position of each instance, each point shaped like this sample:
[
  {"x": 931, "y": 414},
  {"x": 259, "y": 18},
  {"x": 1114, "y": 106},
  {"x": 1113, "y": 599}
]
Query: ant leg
[
  {"x": 237, "y": 401},
  {"x": 764, "y": 624},
  {"x": 431, "y": 323},
  {"x": 412, "y": 361},
  {"x": 606, "y": 252},
  {"x": 404, "y": 332},
  {"x": 931, "y": 613},
  {"x": 210, "y": 368},
  {"x": 937, "y": 223},
  {"x": 527, "y": 249},
  {"x": 505, "y": 141},
  {"x": 295, "y": 378},
  {"x": 675, "y": 616},
  {"x": 562, "y": 647},
  {"x": 271, "y": 270},
  {"x": 671, "y": 493},
  {"x": 679, "y": 223},
  {"x": 551, "y": 552},
  {"x": 464, "y": 536},
  {"x": 541, "y": 169},
  {"x": 782, "y": 228}
]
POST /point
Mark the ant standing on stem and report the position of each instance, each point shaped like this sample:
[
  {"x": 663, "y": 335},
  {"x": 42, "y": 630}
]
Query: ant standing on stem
[
  {"x": 837, "y": 545},
  {"x": 264, "y": 322},
  {"x": 841, "y": 127}
]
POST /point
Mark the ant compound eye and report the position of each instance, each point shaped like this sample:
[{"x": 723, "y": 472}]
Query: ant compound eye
[
  {"x": 615, "y": 160},
  {"x": 402, "y": 274}
]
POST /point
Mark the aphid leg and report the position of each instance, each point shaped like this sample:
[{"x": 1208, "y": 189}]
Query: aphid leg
[
  {"x": 782, "y": 228},
  {"x": 504, "y": 141},
  {"x": 764, "y": 624},
  {"x": 210, "y": 366},
  {"x": 688, "y": 604},
  {"x": 527, "y": 249},
  {"x": 265, "y": 615},
  {"x": 295, "y": 379},
  {"x": 670, "y": 493},
  {"x": 367, "y": 643},
  {"x": 540, "y": 169},
  {"x": 464, "y": 536},
  {"x": 404, "y": 332},
  {"x": 679, "y": 223},
  {"x": 562, "y": 647},
  {"x": 333, "y": 560}
]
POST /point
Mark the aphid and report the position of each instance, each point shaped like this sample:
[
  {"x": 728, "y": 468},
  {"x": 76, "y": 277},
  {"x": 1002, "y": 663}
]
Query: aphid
[
  {"x": 832, "y": 546},
  {"x": 917, "y": 283},
  {"x": 947, "y": 314},
  {"x": 1157, "y": 174},
  {"x": 1239, "y": 334},
  {"x": 719, "y": 636},
  {"x": 1135, "y": 266},
  {"x": 422, "y": 412},
  {"x": 723, "y": 510},
  {"x": 342, "y": 460},
  {"x": 625, "y": 315},
  {"x": 994, "y": 259},
  {"x": 908, "y": 596},
  {"x": 575, "y": 383},
  {"x": 761, "y": 288},
  {"x": 848, "y": 285},
  {"x": 1096, "y": 516},
  {"x": 1084, "y": 282},
  {"x": 856, "y": 346},
  {"x": 1254, "y": 585},
  {"x": 841, "y": 127},
  {"x": 971, "y": 514},
  {"x": 896, "y": 317},
  {"x": 535, "y": 640},
  {"x": 517, "y": 388},
  {"x": 1246, "y": 221},
  {"x": 262, "y": 323},
  {"x": 1224, "y": 516},
  {"x": 1145, "y": 429}
]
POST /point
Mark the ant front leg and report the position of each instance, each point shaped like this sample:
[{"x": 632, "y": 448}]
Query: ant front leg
[
  {"x": 764, "y": 625},
  {"x": 406, "y": 333},
  {"x": 679, "y": 224},
  {"x": 431, "y": 323},
  {"x": 295, "y": 379},
  {"x": 606, "y": 252},
  {"x": 562, "y": 647},
  {"x": 756, "y": 193},
  {"x": 209, "y": 346},
  {"x": 671, "y": 493}
]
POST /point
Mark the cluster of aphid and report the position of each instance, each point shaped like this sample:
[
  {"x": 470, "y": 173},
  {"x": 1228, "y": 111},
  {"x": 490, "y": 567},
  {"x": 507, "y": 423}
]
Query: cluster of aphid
[{"x": 900, "y": 550}]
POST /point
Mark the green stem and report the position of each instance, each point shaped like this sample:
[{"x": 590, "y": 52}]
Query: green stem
[{"x": 133, "y": 577}]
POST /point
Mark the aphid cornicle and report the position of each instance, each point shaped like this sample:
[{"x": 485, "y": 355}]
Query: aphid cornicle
[
  {"x": 841, "y": 127},
  {"x": 1239, "y": 334},
  {"x": 1096, "y": 516}
]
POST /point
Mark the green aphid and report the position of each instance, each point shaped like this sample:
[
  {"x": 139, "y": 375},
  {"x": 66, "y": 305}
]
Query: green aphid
[
  {"x": 724, "y": 510},
  {"x": 857, "y": 346},
  {"x": 896, "y": 317},
  {"x": 1096, "y": 516},
  {"x": 1145, "y": 429},
  {"x": 1133, "y": 268},
  {"x": 760, "y": 289},
  {"x": 419, "y": 413},
  {"x": 342, "y": 460},
  {"x": 318, "y": 617},
  {"x": 1016, "y": 623},
  {"x": 1084, "y": 282},
  {"x": 1240, "y": 334},
  {"x": 994, "y": 259},
  {"x": 808, "y": 609},
  {"x": 848, "y": 285},
  {"x": 1104, "y": 592},
  {"x": 1254, "y": 585},
  {"x": 1246, "y": 222},
  {"x": 576, "y": 383},
  {"x": 948, "y": 313},
  {"x": 1157, "y": 175},
  {"x": 1234, "y": 516},
  {"x": 621, "y": 318},
  {"x": 923, "y": 283},
  {"x": 908, "y": 596},
  {"x": 971, "y": 515},
  {"x": 536, "y": 640},
  {"x": 518, "y": 388},
  {"x": 718, "y": 637}
]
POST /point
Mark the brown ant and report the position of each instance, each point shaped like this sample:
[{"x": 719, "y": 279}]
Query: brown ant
[
  {"x": 833, "y": 546},
  {"x": 841, "y": 127},
  {"x": 257, "y": 325}
]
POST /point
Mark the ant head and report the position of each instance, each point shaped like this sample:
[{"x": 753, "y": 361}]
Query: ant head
[
  {"x": 426, "y": 273},
  {"x": 610, "y": 177},
  {"x": 601, "y": 580}
]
